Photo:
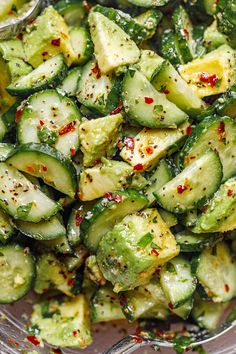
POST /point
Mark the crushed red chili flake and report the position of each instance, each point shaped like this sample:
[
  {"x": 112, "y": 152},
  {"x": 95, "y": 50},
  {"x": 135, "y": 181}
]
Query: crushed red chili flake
[
  {"x": 73, "y": 152},
  {"x": 44, "y": 168},
  {"x": 70, "y": 281},
  {"x": 138, "y": 331},
  {"x": 149, "y": 150},
  {"x": 148, "y": 100},
  {"x": 209, "y": 79},
  {"x": 20, "y": 36},
  {"x": 186, "y": 33},
  {"x": 122, "y": 300},
  {"x": 87, "y": 6},
  {"x": 137, "y": 339},
  {"x": 230, "y": 193},
  {"x": 170, "y": 305},
  {"x": 67, "y": 129},
  {"x": 34, "y": 340},
  {"x": 189, "y": 130},
  {"x": 138, "y": 167},
  {"x": 118, "y": 108},
  {"x": 44, "y": 54},
  {"x": 154, "y": 251},
  {"x": 56, "y": 42},
  {"x": 31, "y": 21},
  {"x": 41, "y": 122},
  {"x": 57, "y": 351},
  {"x": 30, "y": 169},
  {"x": 181, "y": 188},
  {"x": 19, "y": 112},
  {"x": 75, "y": 333},
  {"x": 12, "y": 341},
  {"x": 113, "y": 197},
  {"x": 227, "y": 288},
  {"x": 78, "y": 219},
  {"x": 129, "y": 143},
  {"x": 96, "y": 70}
]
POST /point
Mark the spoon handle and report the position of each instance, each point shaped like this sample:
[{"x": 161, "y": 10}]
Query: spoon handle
[{"x": 128, "y": 345}]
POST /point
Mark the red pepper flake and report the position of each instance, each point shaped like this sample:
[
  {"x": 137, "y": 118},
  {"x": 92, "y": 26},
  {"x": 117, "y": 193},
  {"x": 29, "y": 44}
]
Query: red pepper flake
[
  {"x": 154, "y": 251},
  {"x": 41, "y": 122},
  {"x": 118, "y": 108},
  {"x": 186, "y": 33},
  {"x": 170, "y": 305},
  {"x": 148, "y": 100},
  {"x": 187, "y": 350},
  {"x": 137, "y": 339},
  {"x": 73, "y": 152},
  {"x": 44, "y": 168},
  {"x": 122, "y": 300},
  {"x": 149, "y": 150},
  {"x": 181, "y": 188},
  {"x": 56, "y": 42},
  {"x": 19, "y": 112},
  {"x": 138, "y": 167},
  {"x": 31, "y": 21},
  {"x": 227, "y": 288},
  {"x": 12, "y": 341},
  {"x": 44, "y": 54},
  {"x": 70, "y": 281},
  {"x": 138, "y": 331},
  {"x": 57, "y": 351},
  {"x": 34, "y": 340},
  {"x": 67, "y": 129},
  {"x": 189, "y": 130},
  {"x": 230, "y": 193},
  {"x": 75, "y": 333},
  {"x": 209, "y": 79},
  {"x": 20, "y": 36},
  {"x": 96, "y": 70},
  {"x": 221, "y": 128},
  {"x": 78, "y": 219},
  {"x": 129, "y": 143},
  {"x": 30, "y": 169},
  {"x": 87, "y": 6},
  {"x": 113, "y": 197}
]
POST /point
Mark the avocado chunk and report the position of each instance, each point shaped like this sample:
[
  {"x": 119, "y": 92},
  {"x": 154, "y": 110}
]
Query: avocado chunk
[
  {"x": 112, "y": 46},
  {"x": 52, "y": 274},
  {"x": 130, "y": 253},
  {"x": 108, "y": 176},
  {"x": 99, "y": 137},
  {"x": 12, "y": 49},
  {"x": 47, "y": 37},
  {"x": 17, "y": 68},
  {"x": 212, "y": 74},
  {"x": 63, "y": 322}
]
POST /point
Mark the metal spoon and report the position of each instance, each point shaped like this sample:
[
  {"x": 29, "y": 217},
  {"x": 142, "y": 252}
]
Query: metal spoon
[{"x": 197, "y": 337}]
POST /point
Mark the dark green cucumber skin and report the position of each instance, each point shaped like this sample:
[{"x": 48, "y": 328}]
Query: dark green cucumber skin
[
  {"x": 46, "y": 150},
  {"x": 181, "y": 32},
  {"x": 33, "y": 275},
  {"x": 136, "y": 31},
  {"x": 170, "y": 48},
  {"x": 126, "y": 308},
  {"x": 207, "y": 241},
  {"x": 54, "y": 82},
  {"x": 9, "y": 117}
]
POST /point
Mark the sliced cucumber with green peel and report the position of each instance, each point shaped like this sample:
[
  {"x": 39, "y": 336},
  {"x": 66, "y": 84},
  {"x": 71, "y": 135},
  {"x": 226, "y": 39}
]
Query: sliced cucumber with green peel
[
  {"x": 169, "y": 218},
  {"x": 70, "y": 84},
  {"x": 184, "y": 310},
  {"x": 218, "y": 134},
  {"x": 49, "y": 117},
  {"x": 48, "y": 74},
  {"x": 170, "y": 48},
  {"x": 149, "y": 3},
  {"x": 177, "y": 281},
  {"x": 190, "y": 242},
  {"x": 73, "y": 11},
  {"x": 43, "y": 230},
  {"x": 41, "y": 160},
  {"x": 147, "y": 107},
  {"x": 17, "y": 272},
  {"x": 75, "y": 219},
  {"x": 57, "y": 245},
  {"x": 23, "y": 200},
  {"x": 192, "y": 187},
  {"x": 149, "y": 64},
  {"x": 215, "y": 269},
  {"x": 149, "y": 19},
  {"x": 6, "y": 228},
  {"x": 105, "y": 305},
  {"x": 5, "y": 150},
  {"x": 106, "y": 213},
  {"x": 82, "y": 44}
]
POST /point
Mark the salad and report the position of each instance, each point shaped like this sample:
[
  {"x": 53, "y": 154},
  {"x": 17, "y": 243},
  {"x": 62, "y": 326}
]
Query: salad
[
  {"x": 118, "y": 165},
  {"x": 12, "y": 9}
]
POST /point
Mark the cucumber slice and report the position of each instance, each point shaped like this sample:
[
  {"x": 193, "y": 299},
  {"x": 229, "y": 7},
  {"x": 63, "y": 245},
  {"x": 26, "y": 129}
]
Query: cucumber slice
[
  {"x": 112, "y": 46},
  {"x": 48, "y": 117},
  {"x": 6, "y": 228},
  {"x": 44, "y": 230},
  {"x": 70, "y": 84},
  {"x": 170, "y": 48},
  {"x": 9, "y": 117},
  {"x": 177, "y": 90},
  {"x": 106, "y": 213},
  {"x": 217, "y": 133},
  {"x": 132, "y": 251},
  {"x": 219, "y": 279},
  {"x": 3, "y": 129},
  {"x": 149, "y": 64},
  {"x": 82, "y": 44},
  {"x": 177, "y": 281},
  {"x": 73, "y": 226},
  {"x": 105, "y": 305},
  {"x": 184, "y": 310},
  {"x": 149, "y": 20},
  {"x": 57, "y": 245},
  {"x": 48, "y": 74},
  {"x": 41, "y": 160},
  {"x": 169, "y": 218},
  {"x": 160, "y": 142},
  {"x": 17, "y": 272},
  {"x": 97, "y": 91},
  {"x": 190, "y": 242},
  {"x": 149, "y": 3},
  {"x": 77, "y": 259},
  {"x": 192, "y": 187},
  {"x": 184, "y": 32},
  {"x": 161, "y": 176},
  {"x": 73, "y": 11},
  {"x": 5, "y": 150},
  {"x": 207, "y": 314},
  {"x": 219, "y": 215},
  {"x": 23, "y": 200},
  {"x": 147, "y": 107}
]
